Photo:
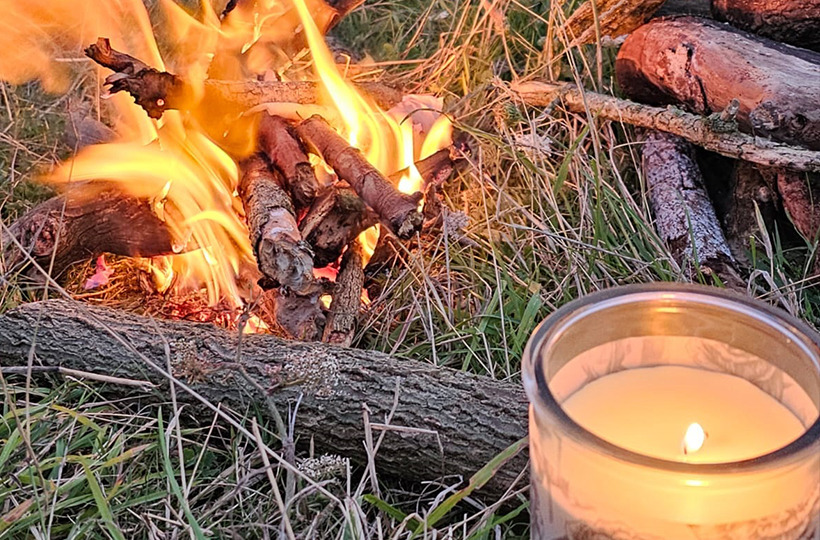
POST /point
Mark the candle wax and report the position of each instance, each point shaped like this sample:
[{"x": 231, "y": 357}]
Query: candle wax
[{"x": 648, "y": 411}]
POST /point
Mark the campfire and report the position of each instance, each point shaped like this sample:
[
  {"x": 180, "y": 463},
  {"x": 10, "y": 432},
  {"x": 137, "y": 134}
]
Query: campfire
[{"x": 237, "y": 171}]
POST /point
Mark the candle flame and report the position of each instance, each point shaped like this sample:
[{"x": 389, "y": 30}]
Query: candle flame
[{"x": 694, "y": 438}]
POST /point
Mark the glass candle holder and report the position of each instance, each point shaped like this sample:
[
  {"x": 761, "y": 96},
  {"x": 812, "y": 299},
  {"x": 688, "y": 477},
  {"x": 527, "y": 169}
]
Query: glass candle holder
[{"x": 673, "y": 412}]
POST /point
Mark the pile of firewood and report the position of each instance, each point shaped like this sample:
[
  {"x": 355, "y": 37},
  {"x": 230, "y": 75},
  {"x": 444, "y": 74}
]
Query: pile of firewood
[
  {"x": 751, "y": 103},
  {"x": 295, "y": 225}
]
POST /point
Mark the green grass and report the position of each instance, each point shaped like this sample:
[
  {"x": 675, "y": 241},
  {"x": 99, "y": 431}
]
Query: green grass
[{"x": 555, "y": 210}]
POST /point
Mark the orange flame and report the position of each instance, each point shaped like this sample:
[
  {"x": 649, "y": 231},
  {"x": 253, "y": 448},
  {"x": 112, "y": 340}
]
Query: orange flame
[{"x": 190, "y": 178}]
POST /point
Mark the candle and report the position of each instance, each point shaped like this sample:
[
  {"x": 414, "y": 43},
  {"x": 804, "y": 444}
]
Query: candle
[{"x": 673, "y": 416}]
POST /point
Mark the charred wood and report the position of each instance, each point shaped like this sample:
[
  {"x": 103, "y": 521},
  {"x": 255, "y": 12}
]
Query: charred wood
[
  {"x": 707, "y": 132},
  {"x": 347, "y": 293},
  {"x": 299, "y": 315},
  {"x": 278, "y": 141},
  {"x": 83, "y": 224},
  {"x": 703, "y": 65},
  {"x": 157, "y": 91},
  {"x": 336, "y": 218},
  {"x": 796, "y": 22},
  {"x": 397, "y": 210},
  {"x": 282, "y": 256},
  {"x": 473, "y": 418}
]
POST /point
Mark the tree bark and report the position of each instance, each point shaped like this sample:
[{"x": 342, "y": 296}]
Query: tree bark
[
  {"x": 474, "y": 418},
  {"x": 279, "y": 143},
  {"x": 83, "y": 224},
  {"x": 800, "y": 193},
  {"x": 796, "y": 22},
  {"x": 703, "y": 66},
  {"x": 684, "y": 216},
  {"x": 708, "y": 133},
  {"x": 397, "y": 210},
  {"x": 347, "y": 299},
  {"x": 281, "y": 254},
  {"x": 614, "y": 18}
]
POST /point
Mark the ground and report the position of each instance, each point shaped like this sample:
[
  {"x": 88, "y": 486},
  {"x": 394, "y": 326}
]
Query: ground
[{"x": 555, "y": 210}]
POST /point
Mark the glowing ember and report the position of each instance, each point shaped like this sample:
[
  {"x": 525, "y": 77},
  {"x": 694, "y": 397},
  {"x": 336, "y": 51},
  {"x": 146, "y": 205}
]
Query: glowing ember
[{"x": 191, "y": 178}]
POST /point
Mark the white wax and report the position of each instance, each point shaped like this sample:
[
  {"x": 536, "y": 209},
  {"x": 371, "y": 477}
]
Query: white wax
[{"x": 648, "y": 410}]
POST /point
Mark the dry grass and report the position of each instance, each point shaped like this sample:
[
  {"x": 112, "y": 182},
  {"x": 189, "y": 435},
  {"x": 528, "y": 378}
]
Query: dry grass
[{"x": 556, "y": 210}]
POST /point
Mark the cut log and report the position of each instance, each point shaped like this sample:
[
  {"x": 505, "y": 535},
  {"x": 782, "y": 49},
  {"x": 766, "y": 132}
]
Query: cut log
[
  {"x": 299, "y": 315},
  {"x": 474, "y": 418},
  {"x": 703, "y": 66},
  {"x": 281, "y": 254},
  {"x": 708, "y": 133},
  {"x": 796, "y": 22},
  {"x": 157, "y": 91},
  {"x": 336, "y": 218},
  {"x": 279, "y": 143},
  {"x": 81, "y": 225},
  {"x": 684, "y": 216},
  {"x": 347, "y": 299},
  {"x": 397, "y": 210}
]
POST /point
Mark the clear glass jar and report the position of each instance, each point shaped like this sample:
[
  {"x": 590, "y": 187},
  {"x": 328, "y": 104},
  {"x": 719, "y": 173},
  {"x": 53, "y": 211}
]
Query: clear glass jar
[{"x": 731, "y": 363}]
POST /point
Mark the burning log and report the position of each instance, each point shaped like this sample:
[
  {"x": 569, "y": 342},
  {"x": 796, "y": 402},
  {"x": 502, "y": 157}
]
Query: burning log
[
  {"x": 397, "y": 210},
  {"x": 281, "y": 254},
  {"x": 708, "y": 133},
  {"x": 796, "y": 22},
  {"x": 457, "y": 419},
  {"x": 157, "y": 91},
  {"x": 704, "y": 66},
  {"x": 335, "y": 220},
  {"x": 81, "y": 225},
  {"x": 279, "y": 143},
  {"x": 684, "y": 216},
  {"x": 347, "y": 293}
]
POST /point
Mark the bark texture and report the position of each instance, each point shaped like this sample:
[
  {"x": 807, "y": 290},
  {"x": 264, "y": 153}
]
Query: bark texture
[
  {"x": 347, "y": 294},
  {"x": 684, "y": 216},
  {"x": 703, "y": 65},
  {"x": 796, "y": 22},
  {"x": 83, "y": 224},
  {"x": 800, "y": 194},
  {"x": 614, "y": 18},
  {"x": 708, "y": 133},
  {"x": 279, "y": 143},
  {"x": 475, "y": 417},
  {"x": 281, "y": 254},
  {"x": 397, "y": 210},
  {"x": 751, "y": 189}
]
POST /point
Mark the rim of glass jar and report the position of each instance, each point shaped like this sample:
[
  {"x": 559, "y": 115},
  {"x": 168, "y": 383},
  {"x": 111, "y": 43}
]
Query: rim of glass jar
[{"x": 784, "y": 322}]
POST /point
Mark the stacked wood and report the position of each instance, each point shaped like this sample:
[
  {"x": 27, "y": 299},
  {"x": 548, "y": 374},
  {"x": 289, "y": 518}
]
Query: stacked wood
[
  {"x": 347, "y": 293},
  {"x": 703, "y": 65},
  {"x": 796, "y": 22}
]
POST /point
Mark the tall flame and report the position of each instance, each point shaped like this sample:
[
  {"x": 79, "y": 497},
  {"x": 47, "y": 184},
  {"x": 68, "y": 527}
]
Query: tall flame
[{"x": 191, "y": 179}]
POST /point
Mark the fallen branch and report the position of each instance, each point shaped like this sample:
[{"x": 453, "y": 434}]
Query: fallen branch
[
  {"x": 81, "y": 225},
  {"x": 684, "y": 216},
  {"x": 703, "y": 66},
  {"x": 608, "y": 18},
  {"x": 397, "y": 210},
  {"x": 474, "y": 417},
  {"x": 279, "y": 143},
  {"x": 158, "y": 91},
  {"x": 696, "y": 129},
  {"x": 347, "y": 293},
  {"x": 281, "y": 254}
]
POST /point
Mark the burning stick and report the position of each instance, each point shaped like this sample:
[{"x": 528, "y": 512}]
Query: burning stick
[
  {"x": 82, "y": 225},
  {"x": 157, "y": 91},
  {"x": 347, "y": 294},
  {"x": 397, "y": 210},
  {"x": 336, "y": 218},
  {"x": 281, "y": 254},
  {"x": 278, "y": 141}
]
